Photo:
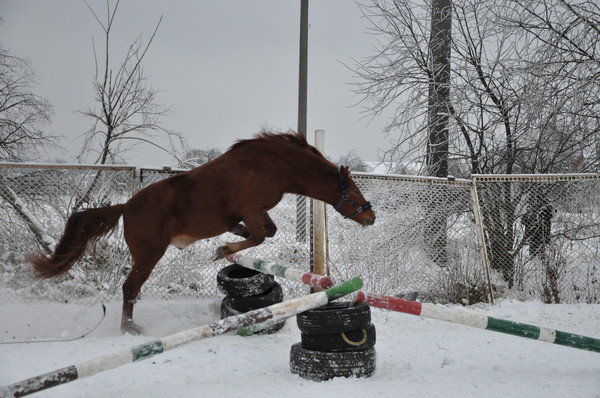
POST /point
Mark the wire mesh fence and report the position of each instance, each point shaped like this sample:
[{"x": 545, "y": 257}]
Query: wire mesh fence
[
  {"x": 35, "y": 202},
  {"x": 543, "y": 235},
  {"x": 423, "y": 244},
  {"x": 434, "y": 240}
]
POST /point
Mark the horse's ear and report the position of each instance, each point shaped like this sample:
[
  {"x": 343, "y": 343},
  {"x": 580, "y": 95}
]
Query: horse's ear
[{"x": 344, "y": 171}]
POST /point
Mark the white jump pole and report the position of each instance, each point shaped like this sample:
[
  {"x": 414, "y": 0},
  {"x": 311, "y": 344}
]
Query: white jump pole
[{"x": 155, "y": 347}]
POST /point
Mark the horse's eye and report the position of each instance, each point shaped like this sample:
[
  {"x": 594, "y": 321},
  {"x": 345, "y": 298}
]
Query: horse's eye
[{"x": 357, "y": 192}]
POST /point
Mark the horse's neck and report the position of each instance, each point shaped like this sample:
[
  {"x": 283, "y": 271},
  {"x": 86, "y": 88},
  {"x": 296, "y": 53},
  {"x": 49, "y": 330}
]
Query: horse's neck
[{"x": 313, "y": 178}]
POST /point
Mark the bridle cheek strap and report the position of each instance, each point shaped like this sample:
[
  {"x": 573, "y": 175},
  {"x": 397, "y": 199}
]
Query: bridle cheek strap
[
  {"x": 345, "y": 198},
  {"x": 358, "y": 208}
]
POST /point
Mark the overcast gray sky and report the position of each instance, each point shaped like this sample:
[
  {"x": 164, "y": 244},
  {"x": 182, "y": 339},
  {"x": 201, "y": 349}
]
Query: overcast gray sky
[{"x": 226, "y": 68}]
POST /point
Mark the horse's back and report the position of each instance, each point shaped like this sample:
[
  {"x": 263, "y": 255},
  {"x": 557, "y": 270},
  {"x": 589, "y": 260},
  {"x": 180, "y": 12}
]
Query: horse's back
[
  {"x": 205, "y": 201},
  {"x": 184, "y": 207}
]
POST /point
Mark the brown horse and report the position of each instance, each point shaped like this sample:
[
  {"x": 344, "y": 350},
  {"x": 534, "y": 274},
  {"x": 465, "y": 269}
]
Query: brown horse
[{"x": 239, "y": 186}]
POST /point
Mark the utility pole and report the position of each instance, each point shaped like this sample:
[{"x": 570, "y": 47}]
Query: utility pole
[
  {"x": 301, "y": 213},
  {"x": 303, "y": 69}
]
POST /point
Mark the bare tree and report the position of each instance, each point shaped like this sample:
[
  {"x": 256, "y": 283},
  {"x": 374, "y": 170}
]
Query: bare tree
[
  {"x": 23, "y": 114},
  {"x": 197, "y": 157},
  {"x": 525, "y": 79},
  {"x": 562, "y": 62},
  {"x": 438, "y": 121},
  {"x": 396, "y": 77},
  {"x": 353, "y": 161},
  {"x": 412, "y": 71},
  {"x": 524, "y": 93},
  {"x": 127, "y": 113},
  {"x": 439, "y": 87}
]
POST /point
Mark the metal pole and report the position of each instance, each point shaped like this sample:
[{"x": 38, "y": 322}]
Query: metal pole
[
  {"x": 303, "y": 69},
  {"x": 302, "y": 110}
]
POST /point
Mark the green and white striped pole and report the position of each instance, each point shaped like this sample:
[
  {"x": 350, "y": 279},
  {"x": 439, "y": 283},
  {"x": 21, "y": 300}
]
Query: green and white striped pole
[
  {"x": 442, "y": 313},
  {"x": 281, "y": 270},
  {"x": 155, "y": 347}
]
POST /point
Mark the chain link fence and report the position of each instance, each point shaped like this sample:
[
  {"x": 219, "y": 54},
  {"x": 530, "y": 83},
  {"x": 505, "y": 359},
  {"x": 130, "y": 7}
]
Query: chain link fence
[
  {"x": 542, "y": 235},
  {"x": 423, "y": 244},
  {"x": 35, "y": 202},
  {"x": 437, "y": 240}
]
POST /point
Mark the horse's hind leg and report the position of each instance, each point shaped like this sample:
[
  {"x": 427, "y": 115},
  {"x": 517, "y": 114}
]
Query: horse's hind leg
[{"x": 144, "y": 261}]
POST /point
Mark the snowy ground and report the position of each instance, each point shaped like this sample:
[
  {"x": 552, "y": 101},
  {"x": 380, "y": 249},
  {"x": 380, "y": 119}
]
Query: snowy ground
[{"x": 416, "y": 357}]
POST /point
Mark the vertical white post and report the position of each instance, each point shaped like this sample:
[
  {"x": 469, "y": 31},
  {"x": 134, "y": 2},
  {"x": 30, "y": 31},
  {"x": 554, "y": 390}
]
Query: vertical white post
[{"x": 319, "y": 242}]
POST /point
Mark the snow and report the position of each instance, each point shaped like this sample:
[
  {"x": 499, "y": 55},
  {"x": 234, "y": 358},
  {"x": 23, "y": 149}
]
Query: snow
[{"x": 416, "y": 357}]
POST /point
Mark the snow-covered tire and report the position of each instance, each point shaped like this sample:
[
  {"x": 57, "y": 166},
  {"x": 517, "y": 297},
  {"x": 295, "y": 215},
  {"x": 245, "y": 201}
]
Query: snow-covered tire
[
  {"x": 354, "y": 340},
  {"x": 320, "y": 366},
  {"x": 227, "y": 311},
  {"x": 237, "y": 281},
  {"x": 272, "y": 296},
  {"x": 335, "y": 317}
]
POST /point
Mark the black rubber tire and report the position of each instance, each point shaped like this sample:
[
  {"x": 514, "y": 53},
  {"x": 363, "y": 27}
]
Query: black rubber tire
[
  {"x": 272, "y": 296},
  {"x": 354, "y": 340},
  {"x": 335, "y": 317},
  {"x": 237, "y": 281},
  {"x": 320, "y": 366},
  {"x": 227, "y": 311}
]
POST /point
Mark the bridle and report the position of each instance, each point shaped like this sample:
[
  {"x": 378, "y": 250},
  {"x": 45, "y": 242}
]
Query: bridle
[{"x": 345, "y": 198}]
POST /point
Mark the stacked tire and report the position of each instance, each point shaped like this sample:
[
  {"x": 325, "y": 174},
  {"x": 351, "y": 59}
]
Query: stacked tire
[
  {"x": 246, "y": 290},
  {"x": 337, "y": 340}
]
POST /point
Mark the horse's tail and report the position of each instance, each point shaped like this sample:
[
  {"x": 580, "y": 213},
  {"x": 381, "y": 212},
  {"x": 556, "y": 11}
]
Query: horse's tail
[{"x": 82, "y": 228}]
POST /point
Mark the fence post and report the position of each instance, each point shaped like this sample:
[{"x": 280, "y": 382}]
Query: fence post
[{"x": 481, "y": 237}]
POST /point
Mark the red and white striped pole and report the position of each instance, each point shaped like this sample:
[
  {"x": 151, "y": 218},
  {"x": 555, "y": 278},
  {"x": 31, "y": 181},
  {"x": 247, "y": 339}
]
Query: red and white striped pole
[
  {"x": 427, "y": 310},
  {"x": 442, "y": 313}
]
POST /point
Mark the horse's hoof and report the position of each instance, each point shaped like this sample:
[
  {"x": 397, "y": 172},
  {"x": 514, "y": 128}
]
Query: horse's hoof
[
  {"x": 131, "y": 328},
  {"x": 220, "y": 253}
]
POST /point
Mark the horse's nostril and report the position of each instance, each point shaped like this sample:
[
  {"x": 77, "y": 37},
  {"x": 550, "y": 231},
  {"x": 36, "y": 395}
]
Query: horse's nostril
[{"x": 369, "y": 221}]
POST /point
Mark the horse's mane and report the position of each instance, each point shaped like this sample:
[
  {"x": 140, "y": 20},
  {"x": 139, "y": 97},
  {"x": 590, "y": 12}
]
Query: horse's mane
[{"x": 290, "y": 138}]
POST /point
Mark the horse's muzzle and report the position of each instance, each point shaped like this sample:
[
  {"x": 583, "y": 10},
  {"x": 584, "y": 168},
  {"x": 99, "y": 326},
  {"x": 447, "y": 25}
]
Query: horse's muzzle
[{"x": 366, "y": 221}]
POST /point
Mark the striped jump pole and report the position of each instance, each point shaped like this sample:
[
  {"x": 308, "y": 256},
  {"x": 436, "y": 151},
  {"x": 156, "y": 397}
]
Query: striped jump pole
[
  {"x": 155, "y": 347},
  {"x": 442, "y": 313},
  {"x": 281, "y": 270}
]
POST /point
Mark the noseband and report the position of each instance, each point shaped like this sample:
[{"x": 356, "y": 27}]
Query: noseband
[{"x": 345, "y": 198}]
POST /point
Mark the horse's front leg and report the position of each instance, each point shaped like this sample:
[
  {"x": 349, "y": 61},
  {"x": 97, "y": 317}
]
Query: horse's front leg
[
  {"x": 255, "y": 226},
  {"x": 240, "y": 230},
  {"x": 268, "y": 225}
]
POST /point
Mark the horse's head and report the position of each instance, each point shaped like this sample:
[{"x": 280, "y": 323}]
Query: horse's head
[{"x": 352, "y": 204}]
